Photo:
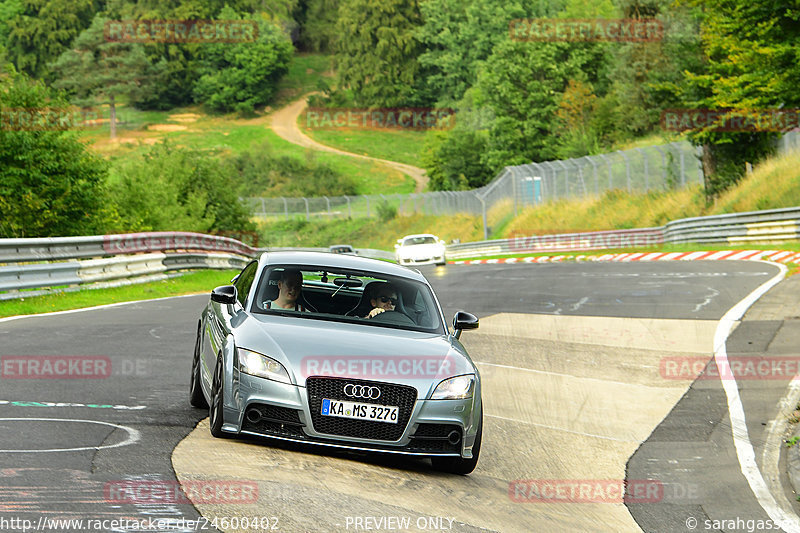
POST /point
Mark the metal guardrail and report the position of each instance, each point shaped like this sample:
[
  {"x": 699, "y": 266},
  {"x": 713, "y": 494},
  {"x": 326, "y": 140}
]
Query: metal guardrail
[
  {"x": 564, "y": 242},
  {"x": 109, "y": 260},
  {"x": 772, "y": 226},
  {"x": 14, "y": 278},
  {"x": 60, "y": 248},
  {"x": 144, "y": 255}
]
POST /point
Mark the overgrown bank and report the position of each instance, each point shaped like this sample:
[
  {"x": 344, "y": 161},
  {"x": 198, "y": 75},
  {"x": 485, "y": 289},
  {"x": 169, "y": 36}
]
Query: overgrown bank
[{"x": 773, "y": 184}]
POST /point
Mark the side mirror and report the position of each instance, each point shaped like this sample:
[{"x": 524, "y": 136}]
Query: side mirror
[
  {"x": 463, "y": 320},
  {"x": 226, "y": 294},
  {"x": 442, "y": 242},
  {"x": 396, "y": 246}
]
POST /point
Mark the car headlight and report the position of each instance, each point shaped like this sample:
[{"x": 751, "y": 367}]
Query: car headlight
[
  {"x": 262, "y": 366},
  {"x": 456, "y": 388}
]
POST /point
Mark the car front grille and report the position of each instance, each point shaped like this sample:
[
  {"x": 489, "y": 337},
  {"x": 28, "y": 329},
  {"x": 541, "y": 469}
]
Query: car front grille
[{"x": 402, "y": 396}]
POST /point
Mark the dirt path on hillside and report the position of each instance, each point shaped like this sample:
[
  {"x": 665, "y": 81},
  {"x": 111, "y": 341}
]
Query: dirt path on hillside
[{"x": 284, "y": 123}]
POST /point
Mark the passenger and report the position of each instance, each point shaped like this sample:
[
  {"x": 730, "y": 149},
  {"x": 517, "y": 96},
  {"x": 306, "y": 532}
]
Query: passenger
[
  {"x": 290, "y": 286},
  {"x": 385, "y": 300}
]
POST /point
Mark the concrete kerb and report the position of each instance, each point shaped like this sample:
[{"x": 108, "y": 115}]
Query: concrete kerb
[{"x": 777, "y": 256}]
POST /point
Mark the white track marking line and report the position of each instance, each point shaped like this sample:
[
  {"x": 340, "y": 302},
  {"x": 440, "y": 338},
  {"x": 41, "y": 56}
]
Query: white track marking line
[
  {"x": 94, "y": 308},
  {"x": 555, "y": 428},
  {"x": 790, "y": 522},
  {"x": 562, "y": 375},
  {"x": 776, "y": 431},
  {"x": 133, "y": 435}
]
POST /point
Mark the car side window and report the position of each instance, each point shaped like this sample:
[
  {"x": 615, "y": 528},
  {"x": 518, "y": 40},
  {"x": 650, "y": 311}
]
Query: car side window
[{"x": 245, "y": 281}]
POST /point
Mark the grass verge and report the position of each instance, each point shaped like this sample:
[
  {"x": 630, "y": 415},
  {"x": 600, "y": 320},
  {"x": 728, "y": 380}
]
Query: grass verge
[
  {"x": 192, "y": 283},
  {"x": 404, "y": 146}
]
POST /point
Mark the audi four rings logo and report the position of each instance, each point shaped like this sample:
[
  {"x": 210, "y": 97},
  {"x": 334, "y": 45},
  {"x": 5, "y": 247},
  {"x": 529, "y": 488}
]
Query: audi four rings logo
[{"x": 362, "y": 391}]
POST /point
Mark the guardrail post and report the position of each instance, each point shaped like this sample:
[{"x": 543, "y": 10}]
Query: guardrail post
[
  {"x": 285, "y": 208},
  {"x": 646, "y": 171},
  {"x": 554, "y": 175},
  {"x": 608, "y": 164},
  {"x": 663, "y": 164},
  {"x": 566, "y": 177},
  {"x": 483, "y": 209},
  {"x": 514, "y": 190},
  {"x": 627, "y": 168},
  {"x": 699, "y": 155},
  {"x": 308, "y": 216},
  {"x": 590, "y": 159},
  {"x": 327, "y": 201}
]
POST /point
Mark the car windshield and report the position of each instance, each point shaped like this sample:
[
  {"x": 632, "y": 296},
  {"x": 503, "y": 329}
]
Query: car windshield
[
  {"x": 345, "y": 295},
  {"x": 419, "y": 240}
]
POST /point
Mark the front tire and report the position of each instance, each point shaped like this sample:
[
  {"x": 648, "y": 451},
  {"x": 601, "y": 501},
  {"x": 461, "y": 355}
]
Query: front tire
[
  {"x": 215, "y": 409},
  {"x": 459, "y": 465},
  {"x": 196, "y": 396}
]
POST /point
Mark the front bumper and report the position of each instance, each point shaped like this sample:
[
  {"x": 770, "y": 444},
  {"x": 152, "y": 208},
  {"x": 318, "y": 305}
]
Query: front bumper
[
  {"x": 436, "y": 259},
  {"x": 280, "y": 411}
]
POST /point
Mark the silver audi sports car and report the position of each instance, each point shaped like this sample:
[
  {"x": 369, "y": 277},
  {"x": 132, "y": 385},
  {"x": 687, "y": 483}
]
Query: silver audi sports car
[{"x": 338, "y": 351}]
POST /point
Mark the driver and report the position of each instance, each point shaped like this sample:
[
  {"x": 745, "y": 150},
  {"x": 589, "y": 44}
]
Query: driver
[
  {"x": 384, "y": 300},
  {"x": 290, "y": 285}
]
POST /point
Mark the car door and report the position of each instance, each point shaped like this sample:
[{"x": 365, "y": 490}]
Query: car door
[{"x": 218, "y": 321}]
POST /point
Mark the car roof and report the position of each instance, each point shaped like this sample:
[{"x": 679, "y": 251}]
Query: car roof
[{"x": 324, "y": 259}]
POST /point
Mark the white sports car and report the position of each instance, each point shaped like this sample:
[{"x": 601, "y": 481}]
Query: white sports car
[{"x": 423, "y": 249}]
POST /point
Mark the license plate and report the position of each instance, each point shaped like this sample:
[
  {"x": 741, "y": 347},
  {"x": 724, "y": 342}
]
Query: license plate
[{"x": 360, "y": 411}]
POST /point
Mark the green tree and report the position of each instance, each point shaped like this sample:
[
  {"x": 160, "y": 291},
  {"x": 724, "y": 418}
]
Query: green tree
[
  {"x": 183, "y": 60},
  {"x": 176, "y": 189},
  {"x": 240, "y": 77},
  {"x": 261, "y": 173},
  {"x": 523, "y": 82},
  {"x": 318, "y": 25},
  {"x": 377, "y": 60},
  {"x": 453, "y": 160},
  {"x": 43, "y": 29},
  {"x": 9, "y": 9},
  {"x": 752, "y": 53},
  {"x": 459, "y": 35},
  {"x": 98, "y": 71},
  {"x": 50, "y": 185}
]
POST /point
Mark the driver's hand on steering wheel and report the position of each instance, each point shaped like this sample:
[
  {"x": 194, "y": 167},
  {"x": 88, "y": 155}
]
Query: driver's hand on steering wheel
[{"x": 375, "y": 312}]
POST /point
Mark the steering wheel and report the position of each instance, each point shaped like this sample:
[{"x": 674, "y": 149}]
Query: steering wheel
[{"x": 394, "y": 317}]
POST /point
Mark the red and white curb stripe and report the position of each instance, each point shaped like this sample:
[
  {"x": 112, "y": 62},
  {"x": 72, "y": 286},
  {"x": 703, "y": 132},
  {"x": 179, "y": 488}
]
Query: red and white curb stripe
[{"x": 778, "y": 256}]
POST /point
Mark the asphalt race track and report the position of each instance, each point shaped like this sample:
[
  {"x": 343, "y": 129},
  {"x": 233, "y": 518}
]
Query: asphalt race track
[{"x": 576, "y": 391}]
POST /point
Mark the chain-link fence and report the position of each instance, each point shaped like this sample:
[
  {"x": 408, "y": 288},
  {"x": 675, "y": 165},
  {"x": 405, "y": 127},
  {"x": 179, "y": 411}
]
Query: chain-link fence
[{"x": 662, "y": 167}]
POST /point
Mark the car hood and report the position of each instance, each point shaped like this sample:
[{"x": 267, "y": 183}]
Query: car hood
[
  {"x": 309, "y": 347},
  {"x": 420, "y": 249}
]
